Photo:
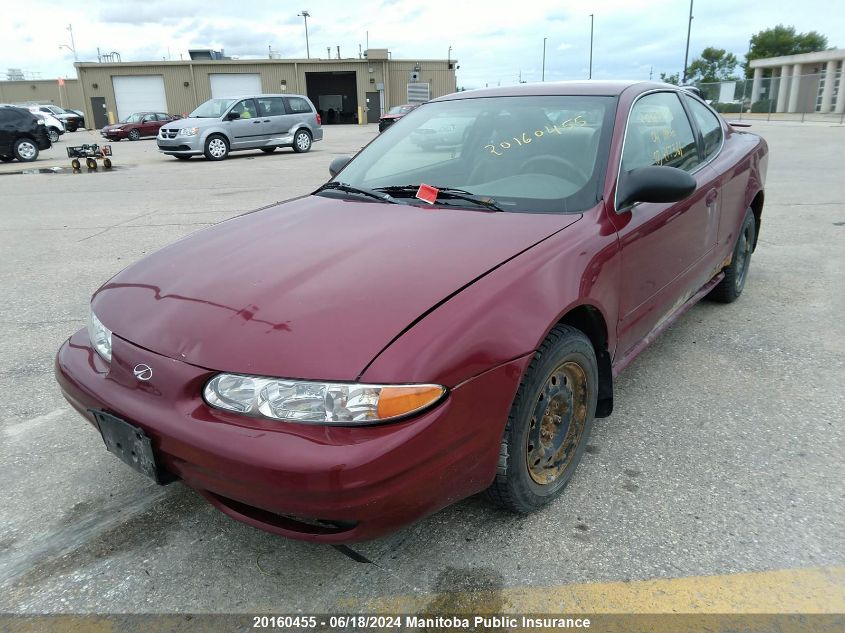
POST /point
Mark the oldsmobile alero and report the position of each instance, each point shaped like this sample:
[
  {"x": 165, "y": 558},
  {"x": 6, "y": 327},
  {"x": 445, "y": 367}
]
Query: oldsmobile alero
[{"x": 432, "y": 322}]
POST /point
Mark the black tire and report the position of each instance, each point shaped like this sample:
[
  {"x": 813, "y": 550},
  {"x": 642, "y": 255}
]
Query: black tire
[
  {"x": 7, "y": 159},
  {"x": 134, "y": 134},
  {"x": 75, "y": 164},
  {"x": 53, "y": 134},
  {"x": 25, "y": 150},
  {"x": 268, "y": 150},
  {"x": 736, "y": 273},
  {"x": 213, "y": 148},
  {"x": 301, "y": 141},
  {"x": 188, "y": 157},
  {"x": 107, "y": 163},
  {"x": 554, "y": 407}
]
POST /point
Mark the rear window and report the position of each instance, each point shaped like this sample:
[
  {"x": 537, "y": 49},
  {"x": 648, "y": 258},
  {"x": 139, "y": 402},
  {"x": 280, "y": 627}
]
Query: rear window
[{"x": 298, "y": 105}]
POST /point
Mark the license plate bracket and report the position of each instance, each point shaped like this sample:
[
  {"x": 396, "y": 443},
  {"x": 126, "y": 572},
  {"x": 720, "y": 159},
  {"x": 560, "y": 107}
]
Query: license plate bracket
[{"x": 131, "y": 445}]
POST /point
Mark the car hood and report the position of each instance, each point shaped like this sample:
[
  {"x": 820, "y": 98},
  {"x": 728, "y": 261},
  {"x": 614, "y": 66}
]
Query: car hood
[
  {"x": 313, "y": 288},
  {"x": 114, "y": 126},
  {"x": 385, "y": 117}
]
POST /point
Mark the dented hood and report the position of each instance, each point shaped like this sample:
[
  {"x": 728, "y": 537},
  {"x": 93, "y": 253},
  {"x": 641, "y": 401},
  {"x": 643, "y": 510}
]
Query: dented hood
[{"x": 313, "y": 288}]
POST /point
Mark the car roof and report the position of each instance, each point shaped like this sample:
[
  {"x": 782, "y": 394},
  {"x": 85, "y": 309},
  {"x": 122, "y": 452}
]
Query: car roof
[{"x": 562, "y": 88}]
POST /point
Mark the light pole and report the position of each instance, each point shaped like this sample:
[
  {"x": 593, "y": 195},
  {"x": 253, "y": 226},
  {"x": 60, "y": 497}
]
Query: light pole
[
  {"x": 305, "y": 15},
  {"x": 543, "y": 76},
  {"x": 686, "y": 55},
  {"x": 590, "y": 76},
  {"x": 72, "y": 47},
  {"x": 449, "y": 58}
]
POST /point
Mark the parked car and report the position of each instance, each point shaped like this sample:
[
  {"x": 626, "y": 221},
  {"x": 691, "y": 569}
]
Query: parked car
[
  {"x": 137, "y": 125},
  {"x": 264, "y": 122},
  {"x": 55, "y": 127},
  {"x": 71, "y": 120},
  {"x": 336, "y": 366},
  {"x": 441, "y": 133},
  {"x": 22, "y": 135},
  {"x": 394, "y": 114},
  {"x": 80, "y": 114}
]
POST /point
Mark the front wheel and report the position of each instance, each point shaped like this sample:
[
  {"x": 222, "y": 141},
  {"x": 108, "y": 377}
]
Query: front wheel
[
  {"x": 549, "y": 423},
  {"x": 134, "y": 135},
  {"x": 53, "y": 135},
  {"x": 216, "y": 148},
  {"x": 301, "y": 142},
  {"x": 736, "y": 273}
]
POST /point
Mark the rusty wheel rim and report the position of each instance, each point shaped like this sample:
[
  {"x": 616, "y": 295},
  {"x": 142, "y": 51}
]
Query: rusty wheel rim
[{"x": 557, "y": 423}]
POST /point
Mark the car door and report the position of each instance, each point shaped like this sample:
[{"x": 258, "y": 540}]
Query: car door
[
  {"x": 246, "y": 131},
  {"x": 662, "y": 245},
  {"x": 300, "y": 113},
  {"x": 273, "y": 119},
  {"x": 149, "y": 124},
  {"x": 9, "y": 124}
]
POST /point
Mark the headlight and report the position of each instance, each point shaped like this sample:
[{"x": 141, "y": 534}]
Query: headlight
[
  {"x": 117, "y": 128},
  {"x": 189, "y": 131},
  {"x": 40, "y": 121},
  {"x": 100, "y": 336},
  {"x": 318, "y": 402}
]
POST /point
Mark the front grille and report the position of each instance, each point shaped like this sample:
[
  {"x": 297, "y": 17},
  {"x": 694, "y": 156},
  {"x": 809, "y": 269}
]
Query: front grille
[{"x": 169, "y": 133}]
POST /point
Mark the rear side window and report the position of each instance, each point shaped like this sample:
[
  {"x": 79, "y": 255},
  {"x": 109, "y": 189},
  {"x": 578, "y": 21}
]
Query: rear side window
[
  {"x": 149, "y": 117},
  {"x": 163, "y": 117},
  {"x": 708, "y": 123},
  {"x": 659, "y": 133},
  {"x": 298, "y": 105},
  {"x": 270, "y": 106}
]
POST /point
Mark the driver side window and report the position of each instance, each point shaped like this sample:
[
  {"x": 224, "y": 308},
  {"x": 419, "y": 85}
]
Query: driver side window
[
  {"x": 659, "y": 133},
  {"x": 246, "y": 109}
]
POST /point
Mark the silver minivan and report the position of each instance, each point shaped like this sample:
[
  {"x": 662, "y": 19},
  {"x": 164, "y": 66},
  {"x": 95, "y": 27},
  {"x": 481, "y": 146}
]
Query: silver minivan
[{"x": 264, "y": 122}]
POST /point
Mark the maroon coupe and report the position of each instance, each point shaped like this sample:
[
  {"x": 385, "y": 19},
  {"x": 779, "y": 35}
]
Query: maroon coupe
[{"x": 431, "y": 323}]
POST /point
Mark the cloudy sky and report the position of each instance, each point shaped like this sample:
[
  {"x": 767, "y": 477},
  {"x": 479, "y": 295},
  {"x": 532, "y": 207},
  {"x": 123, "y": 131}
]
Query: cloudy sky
[{"x": 493, "y": 40}]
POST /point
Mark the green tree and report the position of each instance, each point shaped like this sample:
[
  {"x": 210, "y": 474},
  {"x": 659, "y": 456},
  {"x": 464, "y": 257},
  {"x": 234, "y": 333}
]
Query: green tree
[
  {"x": 714, "y": 64},
  {"x": 782, "y": 40},
  {"x": 674, "y": 78}
]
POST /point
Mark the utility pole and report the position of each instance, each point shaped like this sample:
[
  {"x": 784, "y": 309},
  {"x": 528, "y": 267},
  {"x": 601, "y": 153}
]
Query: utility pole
[
  {"x": 686, "y": 55},
  {"x": 590, "y": 76},
  {"x": 543, "y": 77},
  {"x": 72, "y": 43},
  {"x": 305, "y": 15}
]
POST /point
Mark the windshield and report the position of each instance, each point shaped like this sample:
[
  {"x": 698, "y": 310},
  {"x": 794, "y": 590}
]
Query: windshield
[
  {"x": 212, "y": 109},
  {"x": 400, "y": 109},
  {"x": 134, "y": 118},
  {"x": 533, "y": 154}
]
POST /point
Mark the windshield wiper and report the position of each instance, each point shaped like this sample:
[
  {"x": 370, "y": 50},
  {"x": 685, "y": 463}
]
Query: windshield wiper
[
  {"x": 449, "y": 193},
  {"x": 370, "y": 193}
]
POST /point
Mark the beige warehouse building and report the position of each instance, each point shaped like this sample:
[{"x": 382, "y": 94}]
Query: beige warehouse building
[{"x": 356, "y": 90}]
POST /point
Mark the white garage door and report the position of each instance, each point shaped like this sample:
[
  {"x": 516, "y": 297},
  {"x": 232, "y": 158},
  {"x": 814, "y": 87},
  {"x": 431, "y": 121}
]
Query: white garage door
[
  {"x": 139, "y": 93},
  {"x": 234, "y": 85}
]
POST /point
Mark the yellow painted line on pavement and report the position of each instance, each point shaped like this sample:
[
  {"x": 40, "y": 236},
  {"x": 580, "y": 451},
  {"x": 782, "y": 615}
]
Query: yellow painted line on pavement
[{"x": 805, "y": 591}]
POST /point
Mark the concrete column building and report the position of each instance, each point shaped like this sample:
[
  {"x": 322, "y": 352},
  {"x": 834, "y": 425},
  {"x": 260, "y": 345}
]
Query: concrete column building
[{"x": 809, "y": 82}]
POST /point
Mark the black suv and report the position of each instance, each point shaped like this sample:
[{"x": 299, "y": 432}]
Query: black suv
[{"x": 22, "y": 134}]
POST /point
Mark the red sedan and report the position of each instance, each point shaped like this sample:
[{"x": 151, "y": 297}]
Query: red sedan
[
  {"x": 431, "y": 323},
  {"x": 137, "y": 125}
]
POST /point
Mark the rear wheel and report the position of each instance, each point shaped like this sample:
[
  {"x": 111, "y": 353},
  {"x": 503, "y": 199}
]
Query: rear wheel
[
  {"x": 549, "y": 423},
  {"x": 107, "y": 163},
  {"x": 216, "y": 147},
  {"x": 301, "y": 142},
  {"x": 736, "y": 273},
  {"x": 134, "y": 135},
  {"x": 25, "y": 150},
  {"x": 75, "y": 164},
  {"x": 90, "y": 163},
  {"x": 53, "y": 134}
]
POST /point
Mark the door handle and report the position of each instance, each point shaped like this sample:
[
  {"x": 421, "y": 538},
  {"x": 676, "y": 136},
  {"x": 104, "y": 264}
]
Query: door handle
[
  {"x": 256, "y": 121},
  {"x": 265, "y": 120},
  {"x": 711, "y": 197}
]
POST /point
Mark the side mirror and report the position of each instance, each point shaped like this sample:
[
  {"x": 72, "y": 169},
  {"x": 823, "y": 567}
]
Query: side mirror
[
  {"x": 232, "y": 116},
  {"x": 654, "y": 184},
  {"x": 337, "y": 164}
]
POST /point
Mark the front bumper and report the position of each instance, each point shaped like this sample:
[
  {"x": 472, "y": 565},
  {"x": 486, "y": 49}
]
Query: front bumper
[
  {"x": 181, "y": 145},
  {"x": 311, "y": 482},
  {"x": 114, "y": 135}
]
